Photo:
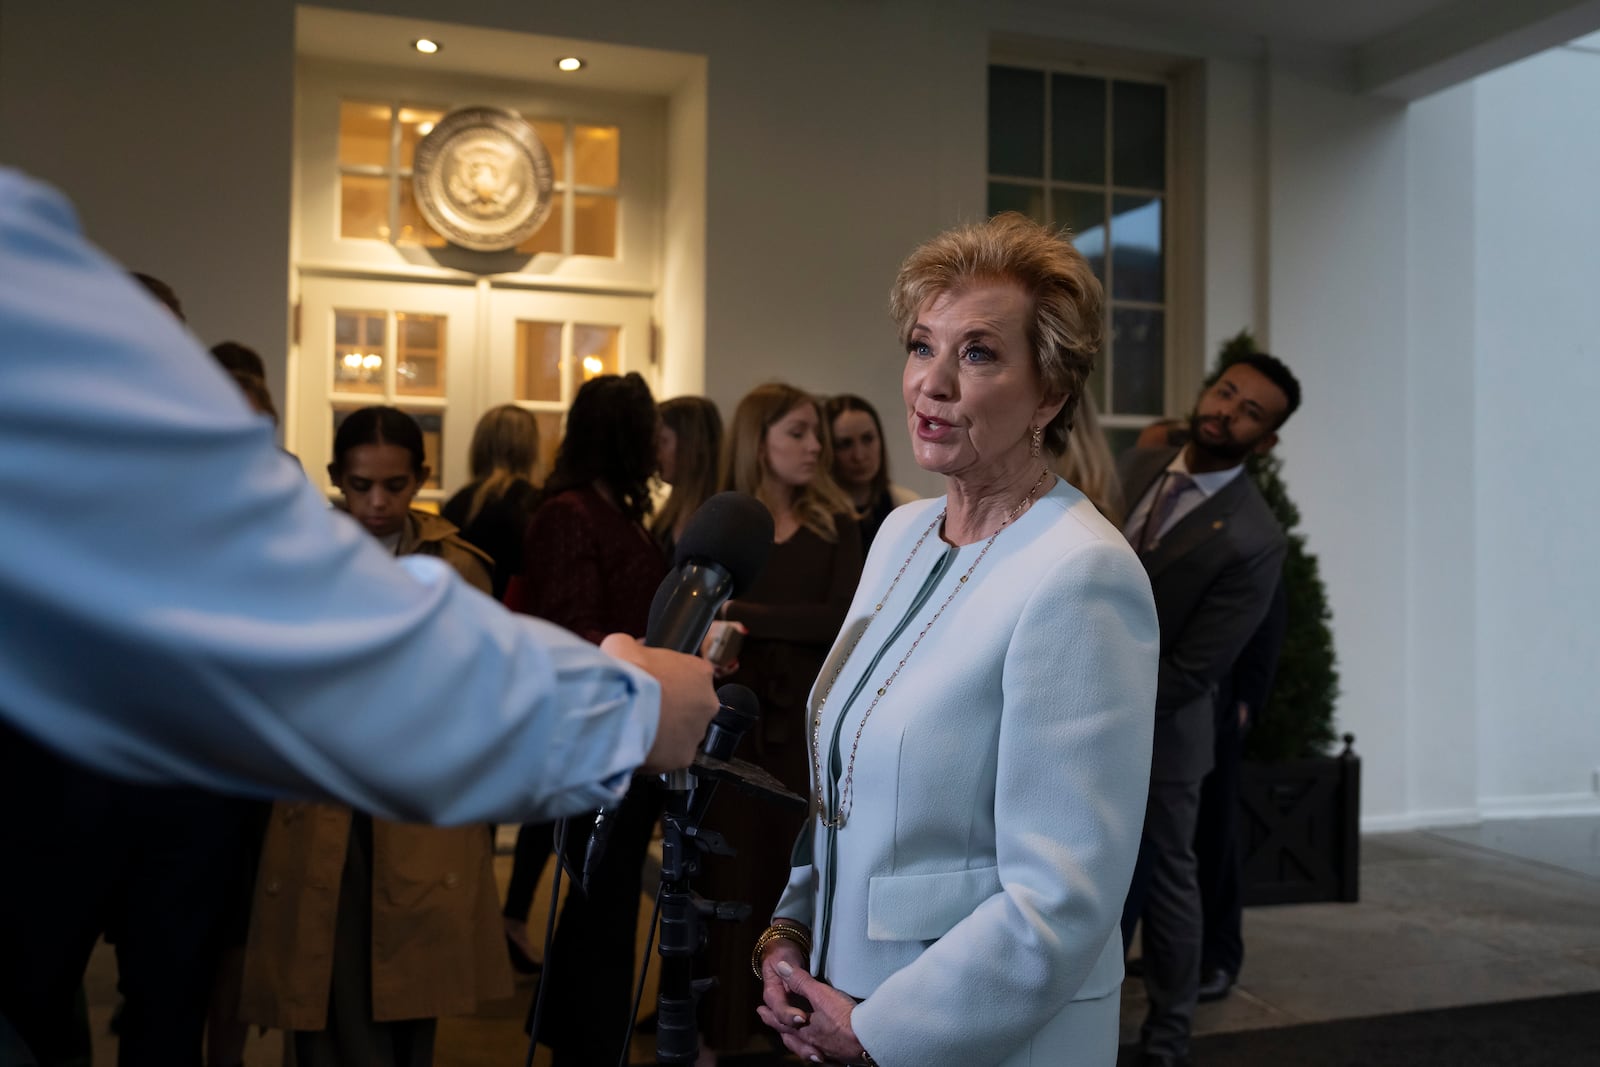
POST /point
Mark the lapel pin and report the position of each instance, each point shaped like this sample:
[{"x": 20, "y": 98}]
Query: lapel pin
[{"x": 1217, "y": 525}]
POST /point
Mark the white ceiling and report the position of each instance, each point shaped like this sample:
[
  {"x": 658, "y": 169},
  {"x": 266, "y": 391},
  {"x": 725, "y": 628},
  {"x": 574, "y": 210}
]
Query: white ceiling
[
  {"x": 385, "y": 40},
  {"x": 1333, "y": 23}
]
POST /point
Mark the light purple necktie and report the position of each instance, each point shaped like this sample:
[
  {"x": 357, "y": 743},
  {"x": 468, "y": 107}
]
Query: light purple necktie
[{"x": 1173, "y": 485}]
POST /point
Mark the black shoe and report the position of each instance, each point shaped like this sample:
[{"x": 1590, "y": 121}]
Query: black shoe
[
  {"x": 521, "y": 962},
  {"x": 1215, "y": 984}
]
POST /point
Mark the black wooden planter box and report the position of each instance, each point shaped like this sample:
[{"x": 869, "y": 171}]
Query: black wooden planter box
[{"x": 1299, "y": 829}]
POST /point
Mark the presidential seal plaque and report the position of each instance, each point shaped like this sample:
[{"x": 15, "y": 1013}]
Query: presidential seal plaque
[{"x": 483, "y": 179}]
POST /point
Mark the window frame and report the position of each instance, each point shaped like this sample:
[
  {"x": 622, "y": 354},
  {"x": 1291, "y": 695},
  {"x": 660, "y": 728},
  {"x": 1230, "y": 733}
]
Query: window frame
[{"x": 1184, "y": 358}]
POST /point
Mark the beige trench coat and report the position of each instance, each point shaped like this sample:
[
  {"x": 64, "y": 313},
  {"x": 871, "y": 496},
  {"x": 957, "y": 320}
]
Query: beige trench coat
[{"x": 438, "y": 944}]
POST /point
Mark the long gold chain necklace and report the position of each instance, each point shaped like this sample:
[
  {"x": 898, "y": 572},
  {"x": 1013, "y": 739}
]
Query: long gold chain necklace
[{"x": 839, "y": 817}]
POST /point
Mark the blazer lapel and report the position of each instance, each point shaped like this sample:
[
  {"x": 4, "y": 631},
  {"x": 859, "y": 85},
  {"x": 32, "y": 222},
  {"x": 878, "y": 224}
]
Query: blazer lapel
[{"x": 1210, "y": 519}]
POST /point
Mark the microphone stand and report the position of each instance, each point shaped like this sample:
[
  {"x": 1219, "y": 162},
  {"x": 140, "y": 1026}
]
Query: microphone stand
[{"x": 683, "y": 918}]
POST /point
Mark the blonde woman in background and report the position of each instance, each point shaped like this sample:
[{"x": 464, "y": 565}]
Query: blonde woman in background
[
  {"x": 1087, "y": 464},
  {"x": 492, "y": 510},
  {"x": 777, "y": 451},
  {"x": 688, "y": 447}
]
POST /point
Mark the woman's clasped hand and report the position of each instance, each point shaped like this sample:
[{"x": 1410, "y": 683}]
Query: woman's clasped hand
[{"x": 811, "y": 1016}]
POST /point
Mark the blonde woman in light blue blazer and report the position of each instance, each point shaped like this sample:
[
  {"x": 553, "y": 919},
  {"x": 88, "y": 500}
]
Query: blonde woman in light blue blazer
[{"x": 981, "y": 730}]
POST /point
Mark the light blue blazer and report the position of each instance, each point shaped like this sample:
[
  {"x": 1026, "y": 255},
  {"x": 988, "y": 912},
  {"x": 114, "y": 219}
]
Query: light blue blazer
[{"x": 972, "y": 900}]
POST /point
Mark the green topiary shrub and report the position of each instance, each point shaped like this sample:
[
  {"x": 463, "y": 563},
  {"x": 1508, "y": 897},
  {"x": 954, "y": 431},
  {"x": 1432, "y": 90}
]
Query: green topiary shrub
[{"x": 1298, "y": 721}]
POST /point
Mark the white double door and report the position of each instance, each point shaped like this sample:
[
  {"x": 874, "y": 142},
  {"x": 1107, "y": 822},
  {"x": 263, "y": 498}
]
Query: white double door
[{"x": 446, "y": 354}]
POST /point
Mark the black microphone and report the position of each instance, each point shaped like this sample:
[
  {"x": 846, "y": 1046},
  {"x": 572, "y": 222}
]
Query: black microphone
[
  {"x": 723, "y": 549},
  {"x": 739, "y": 711}
]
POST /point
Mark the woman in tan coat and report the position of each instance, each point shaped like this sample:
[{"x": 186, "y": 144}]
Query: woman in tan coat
[{"x": 365, "y": 931}]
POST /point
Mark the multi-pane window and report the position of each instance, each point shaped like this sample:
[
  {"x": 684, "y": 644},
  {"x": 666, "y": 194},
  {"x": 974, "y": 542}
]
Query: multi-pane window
[
  {"x": 378, "y": 142},
  {"x": 1090, "y": 153},
  {"x": 552, "y": 360},
  {"x": 407, "y": 373}
]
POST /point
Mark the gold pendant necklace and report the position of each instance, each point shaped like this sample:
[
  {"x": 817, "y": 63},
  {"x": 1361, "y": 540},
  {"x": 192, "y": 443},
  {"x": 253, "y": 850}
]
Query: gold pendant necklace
[{"x": 838, "y": 819}]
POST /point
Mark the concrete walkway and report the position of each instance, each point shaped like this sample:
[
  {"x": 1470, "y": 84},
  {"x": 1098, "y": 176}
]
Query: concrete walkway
[{"x": 1500, "y": 911}]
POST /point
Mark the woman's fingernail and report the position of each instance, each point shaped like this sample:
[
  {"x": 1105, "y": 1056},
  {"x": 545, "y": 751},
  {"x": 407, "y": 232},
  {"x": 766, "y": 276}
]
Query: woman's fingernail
[
  {"x": 815, "y": 1058},
  {"x": 798, "y": 1019},
  {"x": 785, "y": 970}
]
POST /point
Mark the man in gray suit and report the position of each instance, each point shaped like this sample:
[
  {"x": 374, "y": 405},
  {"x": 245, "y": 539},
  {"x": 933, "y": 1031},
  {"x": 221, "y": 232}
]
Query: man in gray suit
[{"x": 1213, "y": 551}]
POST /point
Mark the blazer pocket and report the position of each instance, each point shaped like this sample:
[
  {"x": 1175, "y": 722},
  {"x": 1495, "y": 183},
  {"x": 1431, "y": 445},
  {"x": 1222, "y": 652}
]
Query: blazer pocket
[{"x": 923, "y": 907}]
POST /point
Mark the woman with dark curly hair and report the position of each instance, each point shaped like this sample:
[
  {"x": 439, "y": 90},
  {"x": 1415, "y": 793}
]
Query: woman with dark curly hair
[{"x": 590, "y": 565}]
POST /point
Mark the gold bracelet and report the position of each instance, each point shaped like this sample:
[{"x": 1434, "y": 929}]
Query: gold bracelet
[{"x": 778, "y": 932}]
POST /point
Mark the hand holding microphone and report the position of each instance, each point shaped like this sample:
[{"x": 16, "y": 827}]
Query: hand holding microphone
[
  {"x": 688, "y": 703},
  {"x": 722, "y": 550}
]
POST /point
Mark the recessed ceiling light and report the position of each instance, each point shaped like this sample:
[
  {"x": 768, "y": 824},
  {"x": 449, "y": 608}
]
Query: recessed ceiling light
[
  {"x": 425, "y": 46},
  {"x": 569, "y": 64}
]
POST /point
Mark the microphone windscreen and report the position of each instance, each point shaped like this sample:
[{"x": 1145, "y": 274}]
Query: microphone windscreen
[
  {"x": 732, "y": 530},
  {"x": 739, "y": 708}
]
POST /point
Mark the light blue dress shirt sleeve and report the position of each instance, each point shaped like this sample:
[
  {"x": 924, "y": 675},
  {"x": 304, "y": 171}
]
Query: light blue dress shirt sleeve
[{"x": 178, "y": 604}]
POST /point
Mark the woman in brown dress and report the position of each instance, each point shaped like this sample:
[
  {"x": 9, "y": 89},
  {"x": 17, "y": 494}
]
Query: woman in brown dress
[{"x": 777, "y": 451}]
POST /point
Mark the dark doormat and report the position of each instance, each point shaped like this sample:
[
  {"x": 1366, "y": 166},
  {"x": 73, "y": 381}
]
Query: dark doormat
[{"x": 1546, "y": 1032}]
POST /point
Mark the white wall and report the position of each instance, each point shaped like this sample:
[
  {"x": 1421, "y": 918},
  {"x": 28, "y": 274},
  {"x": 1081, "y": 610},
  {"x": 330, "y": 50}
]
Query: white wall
[
  {"x": 1441, "y": 705},
  {"x": 1337, "y": 309},
  {"x": 1537, "y": 254},
  {"x": 170, "y": 127}
]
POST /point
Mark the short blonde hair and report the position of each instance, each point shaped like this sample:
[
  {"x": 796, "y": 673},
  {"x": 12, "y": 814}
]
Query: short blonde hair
[
  {"x": 1065, "y": 321},
  {"x": 821, "y": 502}
]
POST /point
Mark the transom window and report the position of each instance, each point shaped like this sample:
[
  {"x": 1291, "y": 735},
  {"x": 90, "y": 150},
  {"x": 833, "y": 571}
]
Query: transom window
[
  {"x": 378, "y": 142},
  {"x": 1090, "y": 153}
]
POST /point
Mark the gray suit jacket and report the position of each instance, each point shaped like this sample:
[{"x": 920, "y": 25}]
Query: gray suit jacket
[{"x": 1212, "y": 575}]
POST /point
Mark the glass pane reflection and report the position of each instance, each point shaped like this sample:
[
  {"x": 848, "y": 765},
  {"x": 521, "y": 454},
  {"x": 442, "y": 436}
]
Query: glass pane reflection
[
  {"x": 595, "y": 155},
  {"x": 1138, "y": 358},
  {"x": 363, "y": 134},
  {"x": 596, "y": 350},
  {"x": 358, "y": 351},
  {"x": 553, "y": 135},
  {"x": 538, "y": 361},
  {"x": 1078, "y": 129},
  {"x": 1136, "y": 249},
  {"x": 1016, "y": 122},
  {"x": 1009, "y": 196},
  {"x": 415, "y": 124},
  {"x": 363, "y": 207},
  {"x": 420, "y": 354},
  {"x": 1139, "y": 135},
  {"x": 594, "y": 225},
  {"x": 432, "y": 423},
  {"x": 1084, "y": 213},
  {"x": 414, "y": 229},
  {"x": 547, "y": 238}
]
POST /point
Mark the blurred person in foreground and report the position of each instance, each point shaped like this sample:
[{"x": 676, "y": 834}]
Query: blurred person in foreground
[
  {"x": 233, "y": 627},
  {"x": 980, "y": 733}
]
